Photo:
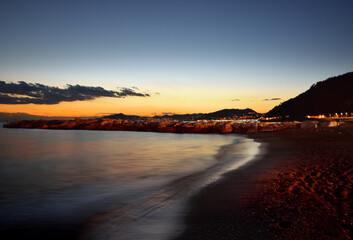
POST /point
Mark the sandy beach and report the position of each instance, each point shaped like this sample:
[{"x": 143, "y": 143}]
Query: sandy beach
[{"x": 300, "y": 188}]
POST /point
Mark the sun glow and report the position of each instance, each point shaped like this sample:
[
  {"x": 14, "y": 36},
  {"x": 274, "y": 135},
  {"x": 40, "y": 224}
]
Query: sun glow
[{"x": 173, "y": 103}]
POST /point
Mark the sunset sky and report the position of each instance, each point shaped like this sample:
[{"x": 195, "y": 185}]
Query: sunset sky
[{"x": 172, "y": 56}]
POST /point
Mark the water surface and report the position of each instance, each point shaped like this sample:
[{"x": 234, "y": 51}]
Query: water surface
[{"x": 53, "y": 181}]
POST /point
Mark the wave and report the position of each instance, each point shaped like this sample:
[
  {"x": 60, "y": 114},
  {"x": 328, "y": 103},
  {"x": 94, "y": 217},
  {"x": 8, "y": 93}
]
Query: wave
[{"x": 159, "y": 215}]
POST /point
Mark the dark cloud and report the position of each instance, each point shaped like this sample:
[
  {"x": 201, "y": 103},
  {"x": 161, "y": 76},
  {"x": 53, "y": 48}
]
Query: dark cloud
[
  {"x": 272, "y": 99},
  {"x": 168, "y": 113},
  {"x": 25, "y": 93},
  {"x": 235, "y": 100}
]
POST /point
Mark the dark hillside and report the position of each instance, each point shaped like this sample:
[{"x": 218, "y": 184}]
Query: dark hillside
[{"x": 334, "y": 95}]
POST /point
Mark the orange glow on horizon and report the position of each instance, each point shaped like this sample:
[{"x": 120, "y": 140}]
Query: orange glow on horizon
[{"x": 178, "y": 102}]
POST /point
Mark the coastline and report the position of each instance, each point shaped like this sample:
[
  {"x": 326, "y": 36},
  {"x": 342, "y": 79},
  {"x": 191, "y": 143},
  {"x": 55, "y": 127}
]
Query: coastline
[
  {"x": 298, "y": 187},
  {"x": 216, "y": 211},
  {"x": 159, "y": 215},
  {"x": 301, "y": 188}
]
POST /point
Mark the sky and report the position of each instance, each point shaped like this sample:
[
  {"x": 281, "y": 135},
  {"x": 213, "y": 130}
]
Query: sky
[{"x": 170, "y": 56}]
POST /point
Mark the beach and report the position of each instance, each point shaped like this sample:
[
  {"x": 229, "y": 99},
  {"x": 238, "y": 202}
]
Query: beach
[
  {"x": 176, "y": 120},
  {"x": 300, "y": 188},
  {"x": 294, "y": 184}
]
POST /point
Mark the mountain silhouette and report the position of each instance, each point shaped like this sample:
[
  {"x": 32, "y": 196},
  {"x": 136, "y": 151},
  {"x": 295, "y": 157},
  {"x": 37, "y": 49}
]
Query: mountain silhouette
[
  {"x": 222, "y": 114},
  {"x": 334, "y": 95},
  {"x": 228, "y": 114},
  {"x": 4, "y": 116}
]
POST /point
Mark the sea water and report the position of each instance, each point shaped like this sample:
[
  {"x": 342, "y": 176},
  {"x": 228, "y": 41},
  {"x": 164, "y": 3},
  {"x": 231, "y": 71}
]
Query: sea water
[{"x": 55, "y": 184}]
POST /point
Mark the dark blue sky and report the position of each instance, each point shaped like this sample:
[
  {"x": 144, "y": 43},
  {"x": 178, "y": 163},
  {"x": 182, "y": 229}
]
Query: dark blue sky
[{"x": 250, "y": 50}]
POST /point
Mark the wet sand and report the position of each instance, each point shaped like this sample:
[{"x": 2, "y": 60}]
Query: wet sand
[{"x": 301, "y": 188}]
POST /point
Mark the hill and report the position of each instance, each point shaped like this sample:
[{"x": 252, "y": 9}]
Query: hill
[
  {"x": 222, "y": 114},
  {"x": 229, "y": 114},
  {"x": 334, "y": 95},
  {"x": 124, "y": 117},
  {"x": 24, "y": 116}
]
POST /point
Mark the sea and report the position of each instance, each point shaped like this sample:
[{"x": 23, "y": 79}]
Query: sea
[{"x": 85, "y": 184}]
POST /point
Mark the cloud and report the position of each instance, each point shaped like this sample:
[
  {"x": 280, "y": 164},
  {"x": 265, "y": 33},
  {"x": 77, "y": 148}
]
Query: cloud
[
  {"x": 36, "y": 93},
  {"x": 272, "y": 99},
  {"x": 236, "y": 100}
]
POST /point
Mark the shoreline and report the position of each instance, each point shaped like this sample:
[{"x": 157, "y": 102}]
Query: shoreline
[
  {"x": 300, "y": 189},
  {"x": 214, "y": 213},
  {"x": 163, "y": 211}
]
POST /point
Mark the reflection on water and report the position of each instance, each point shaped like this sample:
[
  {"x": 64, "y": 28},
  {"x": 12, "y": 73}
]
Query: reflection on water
[
  {"x": 159, "y": 216},
  {"x": 51, "y": 181}
]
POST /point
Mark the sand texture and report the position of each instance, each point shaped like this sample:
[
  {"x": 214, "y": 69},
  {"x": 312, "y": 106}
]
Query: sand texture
[{"x": 300, "y": 189}]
